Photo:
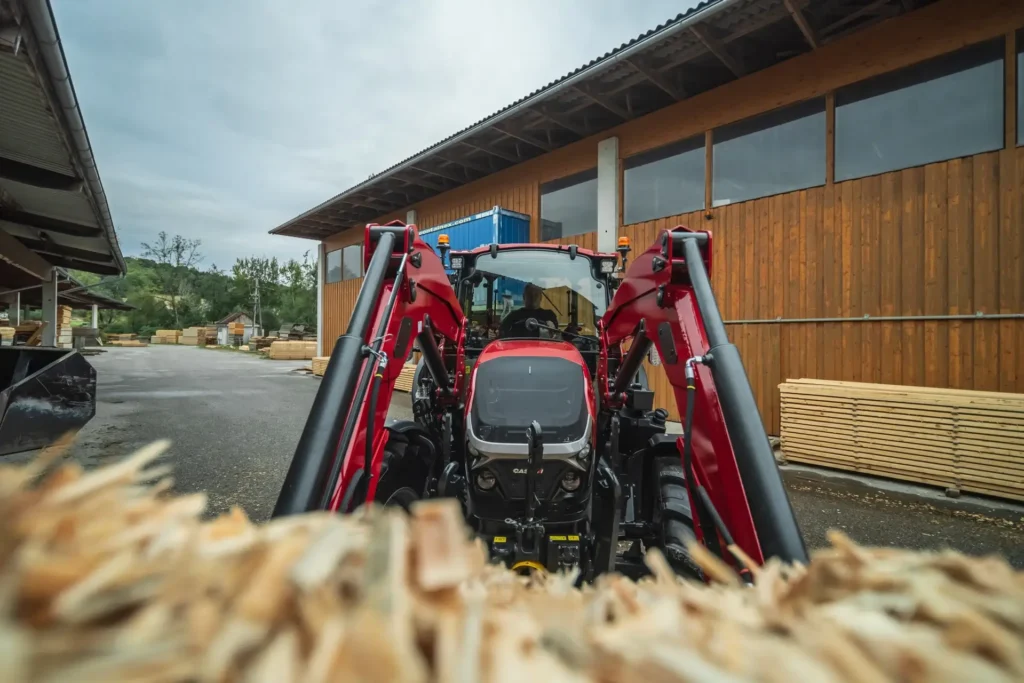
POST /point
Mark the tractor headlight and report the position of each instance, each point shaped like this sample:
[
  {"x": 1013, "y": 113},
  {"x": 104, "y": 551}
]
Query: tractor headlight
[
  {"x": 456, "y": 262},
  {"x": 485, "y": 481},
  {"x": 583, "y": 457},
  {"x": 571, "y": 480},
  {"x": 607, "y": 266}
]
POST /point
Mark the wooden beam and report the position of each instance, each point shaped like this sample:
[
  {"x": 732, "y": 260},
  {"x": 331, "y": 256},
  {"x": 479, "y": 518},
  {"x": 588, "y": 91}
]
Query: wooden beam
[
  {"x": 602, "y": 102},
  {"x": 801, "y": 22},
  {"x": 21, "y": 257},
  {"x": 468, "y": 165},
  {"x": 49, "y": 224},
  {"x": 524, "y": 138},
  {"x": 441, "y": 173},
  {"x": 709, "y": 161},
  {"x": 87, "y": 266},
  {"x": 658, "y": 79},
  {"x": 719, "y": 50},
  {"x": 421, "y": 182},
  {"x": 27, "y": 174},
  {"x": 853, "y": 16},
  {"x": 493, "y": 152},
  {"x": 52, "y": 248},
  {"x": 562, "y": 121},
  {"x": 830, "y": 138}
]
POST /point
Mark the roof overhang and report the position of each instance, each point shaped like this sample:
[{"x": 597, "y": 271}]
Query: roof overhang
[
  {"x": 52, "y": 200},
  {"x": 714, "y": 43},
  {"x": 70, "y": 292}
]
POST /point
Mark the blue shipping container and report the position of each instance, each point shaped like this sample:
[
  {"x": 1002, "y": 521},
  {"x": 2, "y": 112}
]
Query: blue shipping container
[{"x": 497, "y": 226}]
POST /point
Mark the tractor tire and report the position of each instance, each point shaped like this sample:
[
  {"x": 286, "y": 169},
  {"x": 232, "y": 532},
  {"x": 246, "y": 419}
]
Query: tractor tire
[
  {"x": 408, "y": 458},
  {"x": 675, "y": 515}
]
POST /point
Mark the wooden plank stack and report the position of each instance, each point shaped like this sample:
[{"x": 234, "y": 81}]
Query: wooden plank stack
[
  {"x": 292, "y": 350},
  {"x": 320, "y": 365},
  {"x": 7, "y": 335},
  {"x": 962, "y": 440},
  {"x": 193, "y": 336},
  {"x": 64, "y": 333},
  {"x": 129, "y": 343},
  {"x": 404, "y": 380},
  {"x": 165, "y": 337},
  {"x": 148, "y": 591}
]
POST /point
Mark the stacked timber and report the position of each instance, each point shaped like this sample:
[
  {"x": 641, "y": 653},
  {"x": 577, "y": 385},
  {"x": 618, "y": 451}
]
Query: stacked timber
[
  {"x": 960, "y": 440},
  {"x": 165, "y": 337},
  {"x": 292, "y": 350},
  {"x": 148, "y": 591},
  {"x": 193, "y": 336},
  {"x": 404, "y": 381},
  {"x": 123, "y": 336},
  {"x": 7, "y": 335},
  {"x": 30, "y": 332},
  {"x": 320, "y": 365},
  {"x": 259, "y": 343},
  {"x": 129, "y": 343},
  {"x": 64, "y": 333}
]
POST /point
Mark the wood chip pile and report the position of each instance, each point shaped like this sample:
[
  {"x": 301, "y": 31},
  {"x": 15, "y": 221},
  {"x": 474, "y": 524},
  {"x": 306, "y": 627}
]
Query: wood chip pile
[
  {"x": 292, "y": 350},
  {"x": 165, "y": 337},
  {"x": 953, "y": 438},
  {"x": 106, "y": 578}
]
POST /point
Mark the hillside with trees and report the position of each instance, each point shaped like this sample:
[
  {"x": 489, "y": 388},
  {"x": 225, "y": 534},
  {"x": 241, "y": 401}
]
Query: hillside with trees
[{"x": 170, "y": 290}]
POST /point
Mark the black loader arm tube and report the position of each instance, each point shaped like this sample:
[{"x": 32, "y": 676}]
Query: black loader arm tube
[
  {"x": 773, "y": 515},
  {"x": 432, "y": 357},
  {"x": 634, "y": 358},
  {"x": 308, "y": 475}
]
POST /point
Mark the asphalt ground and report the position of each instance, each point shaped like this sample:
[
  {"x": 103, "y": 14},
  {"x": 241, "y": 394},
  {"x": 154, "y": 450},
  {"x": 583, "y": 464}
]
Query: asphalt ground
[{"x": 234, "y": 419}]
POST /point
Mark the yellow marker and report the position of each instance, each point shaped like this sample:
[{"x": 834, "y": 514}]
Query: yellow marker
[
  {"x": 556, "y": 538},
  {"x": 529, "y": 564},
  {"x": 500, "y": 539},
  {"x": 574, "y": 538}
]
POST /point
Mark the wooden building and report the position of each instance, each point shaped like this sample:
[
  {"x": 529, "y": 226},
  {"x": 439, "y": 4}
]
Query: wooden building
[{"x": 858, "y": 161}]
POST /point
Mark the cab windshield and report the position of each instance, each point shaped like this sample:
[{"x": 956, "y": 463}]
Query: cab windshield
[{"x": 543, "y": 284}]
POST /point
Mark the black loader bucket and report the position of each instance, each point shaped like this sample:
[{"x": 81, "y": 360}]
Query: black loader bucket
[{"x": 44, "y": 393}]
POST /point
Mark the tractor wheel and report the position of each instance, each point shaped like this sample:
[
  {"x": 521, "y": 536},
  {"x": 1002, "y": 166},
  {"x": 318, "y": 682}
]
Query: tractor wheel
[
  {"x": 673, "y": 506},
  {"x": 408, "y": 457}
]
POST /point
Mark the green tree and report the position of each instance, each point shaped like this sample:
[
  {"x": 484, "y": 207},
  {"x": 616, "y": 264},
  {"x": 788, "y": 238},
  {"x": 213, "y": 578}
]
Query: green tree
[{"x": 176, "y": 257}]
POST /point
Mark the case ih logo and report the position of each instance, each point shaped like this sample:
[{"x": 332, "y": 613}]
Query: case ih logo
[{"x": 522, "y": 470}]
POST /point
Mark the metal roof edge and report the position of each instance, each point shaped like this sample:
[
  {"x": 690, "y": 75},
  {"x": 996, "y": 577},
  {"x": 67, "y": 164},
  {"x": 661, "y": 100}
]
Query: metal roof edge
[
  {"x": 47, "y": 39},
  {"x": 699, "y": 13}
]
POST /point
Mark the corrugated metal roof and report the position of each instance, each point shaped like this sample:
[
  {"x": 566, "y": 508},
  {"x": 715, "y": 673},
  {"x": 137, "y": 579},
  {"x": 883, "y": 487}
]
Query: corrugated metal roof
[
  {"x": 53, "y": 174},
  {"x": 654, "y": 70}
]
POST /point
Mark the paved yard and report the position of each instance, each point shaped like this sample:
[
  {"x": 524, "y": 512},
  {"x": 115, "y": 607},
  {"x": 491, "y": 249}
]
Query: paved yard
[{"x": 234, "y": 420}]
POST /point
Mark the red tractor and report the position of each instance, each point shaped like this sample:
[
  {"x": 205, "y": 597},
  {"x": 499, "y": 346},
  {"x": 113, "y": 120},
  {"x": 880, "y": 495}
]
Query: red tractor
[{"x": 532, "y": 407}]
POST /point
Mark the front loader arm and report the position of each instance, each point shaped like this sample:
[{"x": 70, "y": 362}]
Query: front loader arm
[
  {"x": 405, "y": 295},
  {"x": 666, "y": 299}
]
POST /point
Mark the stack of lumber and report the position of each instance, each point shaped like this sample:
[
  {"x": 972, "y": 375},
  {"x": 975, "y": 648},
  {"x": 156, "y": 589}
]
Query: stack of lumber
[
  {"x": 64, "y": 333},
  {"x": 31, "y": 331},
  {"x": 148, "y": 591},
  {"x": 962, "y": 440},
  {"x": 404, "y": 381},
  {"x": 7, "y": 335},
  {"x": 292, "y": 350},
  {"x": 129, "y": 336},
  {"x": 132, "y": 343},
  {"x": 258, "y": 343},
  {"x": 193, "y": 336},
  {"x": 165, "y": 337},
  {"x": 320, "y": 365},
  {"x": 236, "y": 328}
]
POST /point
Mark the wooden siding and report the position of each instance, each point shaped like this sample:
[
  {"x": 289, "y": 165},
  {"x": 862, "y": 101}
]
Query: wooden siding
[
  {"x": 942, "y": 239},
  {"x": 339, "y": 297}
]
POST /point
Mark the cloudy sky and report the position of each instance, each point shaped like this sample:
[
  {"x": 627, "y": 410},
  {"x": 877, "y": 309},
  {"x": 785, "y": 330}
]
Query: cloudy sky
[{"x": 221, "y": 119}]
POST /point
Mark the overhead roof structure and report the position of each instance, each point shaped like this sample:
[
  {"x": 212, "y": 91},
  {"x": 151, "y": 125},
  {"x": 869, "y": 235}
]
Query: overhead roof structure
[
  {"x": 70, "y": 292},
  {"x": 52, "y": 200},
  {"x": 715, "y": 42}
]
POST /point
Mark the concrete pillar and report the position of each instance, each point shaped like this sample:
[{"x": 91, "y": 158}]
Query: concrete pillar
[
  {"x": 50, "y": 310},
  {"x": 17, "y": 310},
  {"x": 607, "y": 194},
  {"x": 320, "y": 274},
  {"x": 95, "y": 316},
  {"x": 410, "y": 217}
]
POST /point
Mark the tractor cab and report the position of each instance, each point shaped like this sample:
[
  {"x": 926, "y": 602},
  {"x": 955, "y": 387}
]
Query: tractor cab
[{"x": 521, "y": 292}]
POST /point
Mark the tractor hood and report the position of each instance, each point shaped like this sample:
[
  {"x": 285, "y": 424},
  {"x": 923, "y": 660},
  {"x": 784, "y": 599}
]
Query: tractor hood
[{"x": 517, "y": 382}]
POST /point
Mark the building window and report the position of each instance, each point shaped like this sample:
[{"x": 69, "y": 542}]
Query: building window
[
  {"x": 1020, "y": 87},
  {"x": 945, "y": 108},
  {"x": 664, "y": 182},
  {"x": 569, "y": 206},
  {"x": 333, "y": 266},
  {"x": 352, "y": 262},
  {"x": 776, "y": 152}
]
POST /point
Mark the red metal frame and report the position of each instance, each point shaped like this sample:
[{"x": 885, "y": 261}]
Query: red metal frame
[
  {"x": 434, "y": 296},
  {"x": 713, "y": 456}
]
